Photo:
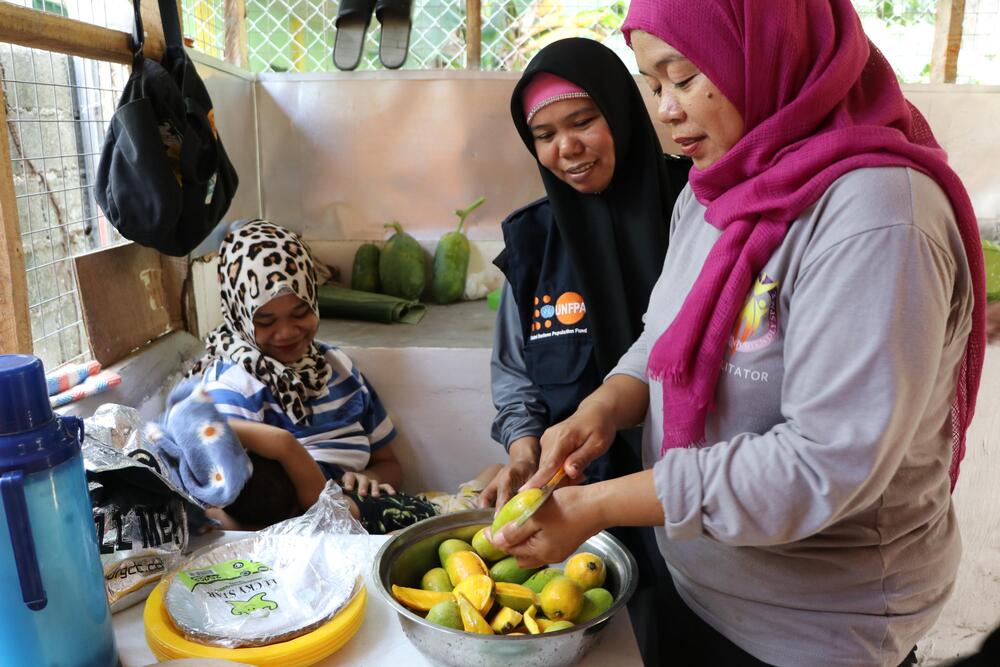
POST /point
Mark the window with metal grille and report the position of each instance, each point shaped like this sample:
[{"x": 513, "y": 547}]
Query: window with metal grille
[{"x": 58, "y": 109}]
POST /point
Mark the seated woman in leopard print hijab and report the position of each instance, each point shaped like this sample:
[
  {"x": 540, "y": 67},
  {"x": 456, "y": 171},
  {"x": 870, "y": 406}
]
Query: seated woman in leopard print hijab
[{"x": 292, "y": 399}]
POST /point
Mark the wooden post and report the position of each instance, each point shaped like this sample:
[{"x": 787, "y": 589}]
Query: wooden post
[
  {"x": 473, "y": 34},
  {"x": 15, "y": 320},
  {"x": 236, "y": 33},
  {"x": 153, "y": 27},
  {"x": 947, "y": 40},
  {"x": 39, "y": 30}
]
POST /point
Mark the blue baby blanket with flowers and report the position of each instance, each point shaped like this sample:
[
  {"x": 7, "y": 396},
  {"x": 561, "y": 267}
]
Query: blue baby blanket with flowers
[{"x": 200, "y": 452}]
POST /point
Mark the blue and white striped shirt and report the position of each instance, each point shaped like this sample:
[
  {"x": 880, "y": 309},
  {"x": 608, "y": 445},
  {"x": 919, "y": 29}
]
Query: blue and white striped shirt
[{"x": 347, "y": 424}]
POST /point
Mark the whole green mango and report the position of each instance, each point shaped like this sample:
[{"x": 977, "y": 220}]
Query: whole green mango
[
  {"x": 364, "y": 273},
  {"x": 508, "y": 571},
  {"x": 401, "y": 266},
  {"x": 451, "y": 261}
]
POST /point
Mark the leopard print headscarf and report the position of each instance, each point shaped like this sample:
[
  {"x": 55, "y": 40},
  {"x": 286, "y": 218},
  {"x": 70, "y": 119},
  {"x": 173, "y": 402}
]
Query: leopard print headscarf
[{"x": 258, "y": 262}]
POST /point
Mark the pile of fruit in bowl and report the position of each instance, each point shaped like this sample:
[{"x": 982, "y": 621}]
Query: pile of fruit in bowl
[
  {"x": 409, "y": 565},
  {"x": 480, "y": 589}
]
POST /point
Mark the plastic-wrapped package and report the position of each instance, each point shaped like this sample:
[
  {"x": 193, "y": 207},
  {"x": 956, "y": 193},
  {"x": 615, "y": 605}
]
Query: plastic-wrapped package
[
  {"x": 277, "y": 584},
  {"x": 142, "y": 519},
  {"x": 116, "y": 426}
]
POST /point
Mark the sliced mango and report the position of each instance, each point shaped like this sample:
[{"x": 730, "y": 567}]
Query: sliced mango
[
  {"x": 506, "y": 620},
  {"x": 478, "y": 589},
  {"x": 530, "y": 622},
  {"x": 472, "y": 620},
  {"x": 417, "y": 599},
  {"x": 515, "y": 596},
  {"x": 556, "y": 626},
  {"x": 462, "y": 564}
]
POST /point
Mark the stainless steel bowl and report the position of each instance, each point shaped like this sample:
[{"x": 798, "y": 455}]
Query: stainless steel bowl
[{"x": 404, "y": 559}]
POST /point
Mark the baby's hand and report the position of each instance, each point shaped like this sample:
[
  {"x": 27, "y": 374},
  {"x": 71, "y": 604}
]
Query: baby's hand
[
  {"x": 365, "y": 484},
  {"x": 352, "y": 507}
]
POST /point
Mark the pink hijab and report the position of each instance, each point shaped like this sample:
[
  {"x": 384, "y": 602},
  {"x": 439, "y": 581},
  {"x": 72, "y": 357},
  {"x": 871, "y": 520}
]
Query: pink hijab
[
  {"x": 544, "y": 89},
  {"x": 818, "y": 100}
]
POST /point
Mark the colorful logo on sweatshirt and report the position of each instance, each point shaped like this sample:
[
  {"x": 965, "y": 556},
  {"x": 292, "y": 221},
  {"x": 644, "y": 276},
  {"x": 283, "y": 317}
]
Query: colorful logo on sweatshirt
[{"x": 757, "y": 325}]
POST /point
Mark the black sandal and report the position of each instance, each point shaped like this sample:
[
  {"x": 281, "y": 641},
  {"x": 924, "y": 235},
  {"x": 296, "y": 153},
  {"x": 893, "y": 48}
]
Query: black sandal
[
  {"x": 394, "y": 44},
  {"x": 352, "y": 22}
]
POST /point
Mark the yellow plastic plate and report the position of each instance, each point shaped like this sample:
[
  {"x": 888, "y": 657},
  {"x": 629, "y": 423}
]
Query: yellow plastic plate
[{"x": 168, "y": 644}]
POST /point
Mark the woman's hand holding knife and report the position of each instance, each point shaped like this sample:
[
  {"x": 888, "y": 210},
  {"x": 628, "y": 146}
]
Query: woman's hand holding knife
[{"x": 573, "y": 513}]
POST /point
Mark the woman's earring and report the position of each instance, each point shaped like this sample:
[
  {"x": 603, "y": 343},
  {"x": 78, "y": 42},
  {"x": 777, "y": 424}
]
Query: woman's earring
[{"x": 708, "y": 94}]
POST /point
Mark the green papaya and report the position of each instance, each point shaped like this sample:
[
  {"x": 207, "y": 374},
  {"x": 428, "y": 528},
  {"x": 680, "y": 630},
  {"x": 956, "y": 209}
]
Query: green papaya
[
  {"x": 401, "y": 265},
  {"x": 451, "y": 260},
  {"x": 364, "y": 273}
]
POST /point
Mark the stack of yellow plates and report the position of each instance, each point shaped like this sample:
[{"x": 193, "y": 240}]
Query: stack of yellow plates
[{"x": 168, "y": 644}]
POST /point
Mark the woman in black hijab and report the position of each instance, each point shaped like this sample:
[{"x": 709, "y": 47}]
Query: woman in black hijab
[{"x": 580, "y": 264}]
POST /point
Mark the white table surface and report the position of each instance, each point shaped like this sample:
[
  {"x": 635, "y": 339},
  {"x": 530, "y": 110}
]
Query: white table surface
[{"x": 380, "y": 641}]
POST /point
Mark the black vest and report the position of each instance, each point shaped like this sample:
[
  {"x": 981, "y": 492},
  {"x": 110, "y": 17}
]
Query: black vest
[{"x": 558, "y": 347}]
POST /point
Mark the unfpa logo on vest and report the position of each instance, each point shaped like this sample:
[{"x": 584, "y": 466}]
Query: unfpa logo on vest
[
  {"x": 567, "y": 310},
  {"x": 570, "y": 308}
]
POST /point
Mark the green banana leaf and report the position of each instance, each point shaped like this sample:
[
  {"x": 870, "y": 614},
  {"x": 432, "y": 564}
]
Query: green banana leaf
[{"x": 349, "y": 304}]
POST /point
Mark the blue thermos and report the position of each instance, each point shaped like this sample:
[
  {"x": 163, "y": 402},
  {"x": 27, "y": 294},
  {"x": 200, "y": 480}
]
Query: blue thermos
[{"x": 53, "y": 608}]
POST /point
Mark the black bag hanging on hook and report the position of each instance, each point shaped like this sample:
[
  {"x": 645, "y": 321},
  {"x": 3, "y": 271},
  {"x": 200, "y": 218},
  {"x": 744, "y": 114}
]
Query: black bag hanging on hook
[{"x": 164, "y": 180}]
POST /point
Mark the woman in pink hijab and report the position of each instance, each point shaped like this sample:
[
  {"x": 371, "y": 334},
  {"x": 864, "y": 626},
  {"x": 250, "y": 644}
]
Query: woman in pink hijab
[{"x": 811, "y": 352}]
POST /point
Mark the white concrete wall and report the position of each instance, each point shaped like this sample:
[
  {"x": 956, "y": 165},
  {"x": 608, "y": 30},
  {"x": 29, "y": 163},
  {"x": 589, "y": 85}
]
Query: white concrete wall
[
  {"x": 439, "y": 400},
  {"x": 964, "y": 121},
  {"x": 342, "y": 154}
]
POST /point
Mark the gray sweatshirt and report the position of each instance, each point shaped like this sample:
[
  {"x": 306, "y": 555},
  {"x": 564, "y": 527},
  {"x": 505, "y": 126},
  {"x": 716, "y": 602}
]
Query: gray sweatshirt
[
  {"x": 815, "y": 527},
  {"x": 521, "y": 411}
]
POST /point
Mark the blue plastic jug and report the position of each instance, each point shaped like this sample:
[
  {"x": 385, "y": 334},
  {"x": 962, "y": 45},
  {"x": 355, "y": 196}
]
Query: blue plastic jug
[{"x": 53, "y": 607}]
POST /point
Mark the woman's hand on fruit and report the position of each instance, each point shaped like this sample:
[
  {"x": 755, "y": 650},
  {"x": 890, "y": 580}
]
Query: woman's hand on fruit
[
  {"x": 574, "y": 443},
  {"x": 523, "y": 464},
  {"x": 566, "y": 520},
  {"x": 365, "y": 484}
]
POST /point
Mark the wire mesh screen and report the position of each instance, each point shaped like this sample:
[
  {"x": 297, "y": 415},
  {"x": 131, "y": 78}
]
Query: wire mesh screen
[
  {"x": 904, "y": 31},
  {"x": 58, "y": 109},
  {"x": 204, "y": 23},
  {"x": 979, "y": 59},
  {"x": 514, "y": 31},
  {"x": 298, "y": 35},
  {"x": 116, "y": 14}
]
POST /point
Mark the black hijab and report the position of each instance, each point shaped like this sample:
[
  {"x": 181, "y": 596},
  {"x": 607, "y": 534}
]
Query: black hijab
[{"x": 617, "y": 239}]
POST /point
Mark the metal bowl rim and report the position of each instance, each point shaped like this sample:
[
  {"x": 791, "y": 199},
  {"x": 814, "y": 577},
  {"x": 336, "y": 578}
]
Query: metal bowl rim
[{"x": 620, "y": 602}]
